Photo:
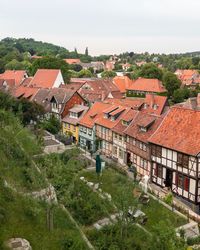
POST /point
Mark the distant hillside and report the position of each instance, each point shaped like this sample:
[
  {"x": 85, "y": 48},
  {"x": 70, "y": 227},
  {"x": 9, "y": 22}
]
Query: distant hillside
[{"x": 16, "y": 53}]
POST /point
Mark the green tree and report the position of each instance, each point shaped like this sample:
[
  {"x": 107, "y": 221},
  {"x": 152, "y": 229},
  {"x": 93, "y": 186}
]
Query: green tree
[
  {"x": 108, "y": 74},
  {"x": 171, "y": 82},
  {"x": 85, "y": 73},
  {"x": 86, "y": 52},
  {"x": 52, "y": 125},
  {"x": 164, "y": 238},
  {"x": 150, "y": 70}
]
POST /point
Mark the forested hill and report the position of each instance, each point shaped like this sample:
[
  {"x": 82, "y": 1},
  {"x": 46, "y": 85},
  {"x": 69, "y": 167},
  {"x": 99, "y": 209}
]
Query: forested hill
[
  {"x": 16, "y": 53},
  {"x": 40, "y": 48}
]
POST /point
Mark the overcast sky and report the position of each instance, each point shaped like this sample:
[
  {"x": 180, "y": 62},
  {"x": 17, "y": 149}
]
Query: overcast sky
[{"x": 106, "y": 26}]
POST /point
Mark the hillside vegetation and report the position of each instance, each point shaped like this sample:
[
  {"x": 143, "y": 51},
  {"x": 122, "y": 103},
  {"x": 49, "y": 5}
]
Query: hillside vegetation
[{"x": 20, "y": 214}]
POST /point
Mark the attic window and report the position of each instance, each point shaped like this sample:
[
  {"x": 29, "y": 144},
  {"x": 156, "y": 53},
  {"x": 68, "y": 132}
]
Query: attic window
[
  {"x": 125, "y": 123},
  {"x": 143, "y": 129},
  {"x": 145, "y": 106},
  {"x": 155, "y": 106}
]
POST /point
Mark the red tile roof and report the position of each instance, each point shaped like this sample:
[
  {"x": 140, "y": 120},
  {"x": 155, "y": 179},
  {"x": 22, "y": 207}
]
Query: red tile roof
[
  {"x": 72, "y": 86},
  {"x": 147, "y": 85},
  {"x": 127, "y": 116},
  {"x": 17, "y": 75},
  {"x": 94, "y": 113},
  {"x": 154, "y": 104},
  {"x": 135, "y": 103},
  {"x": 122, "y": 82},
  {"x": 107, "y": 122},
  {"x": 72, "y": 61},
  {"x": 98, "y": 89},
  {"x": 180, "y": 131},
  {"x": 45, "y": 78},
  {"x": 26, "y": 92},
  {"x": 142, "y": 119},
  {"x": 188, "y": 76}
]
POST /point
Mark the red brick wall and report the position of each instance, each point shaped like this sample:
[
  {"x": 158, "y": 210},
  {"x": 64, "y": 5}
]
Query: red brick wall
[{"x": 75, "y": 99}]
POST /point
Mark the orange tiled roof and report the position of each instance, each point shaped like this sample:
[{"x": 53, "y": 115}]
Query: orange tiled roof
[
  {"x": 26, "y": 92},
  {"x": 72, "y": 61},
  {"x": 128, "y": 116},
  {"x": 107, "y": 122},
  {"x": 122, "y": 82},
  {"x": 94, "y": 113},
  {"x": 147, "y": 85},
  {"x": 129, "y": 102},
  {"x": 151, "y": 100},
  {"x": 98, "y": 89},
  {"x": 44, "y": 78},
  {"x": 151, "y": 121},
  {"x": 17, "y": 75},
  {"x": 180, "y": 131}
]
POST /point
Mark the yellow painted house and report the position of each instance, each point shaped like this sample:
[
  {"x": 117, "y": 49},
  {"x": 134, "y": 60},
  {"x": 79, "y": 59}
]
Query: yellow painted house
[{"x": 70, "y": 125}]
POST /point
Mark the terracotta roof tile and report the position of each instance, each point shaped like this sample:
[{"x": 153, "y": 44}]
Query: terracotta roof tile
[
  {"x": 17, "y": 75},
  {"x": 135, "y": 131},
  {"x": 180, "y": 131},
  {"x": 45, "y": 78},
  {"x": 147, "y": 85},
  {"x": 122, "y": 82},
  {"x": 94, "y": 113}
]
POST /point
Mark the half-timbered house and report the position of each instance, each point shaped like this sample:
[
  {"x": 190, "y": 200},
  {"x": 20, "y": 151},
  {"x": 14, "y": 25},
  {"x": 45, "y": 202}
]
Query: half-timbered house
[
  {"x": 175, "y": 148},
  {"x": 137, "y": 146}
]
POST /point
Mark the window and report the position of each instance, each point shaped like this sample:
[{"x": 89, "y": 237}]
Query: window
[
  {"x": 81, "y": 128},
  {"x": 68, "y": 125},
  {"x": 120, "y": 137},
  {"x": 182, "y": 181},
  {"x": 127, "y": 139},
  {"x": 182, "y": 159},
  {"x": 120, "y": 153},
  {"x": 143, "y": 129},
  {"x": 156, "y": 151},
  {"x": 158, "y": 171},
  {"x": 134, "y": 141},
  {"x": 143, "y": 163},
  {"x": 115, "y": 135},
  {"x": 114, "y": 150},
  {"x": 89, "y": 131},
  {"x": 74, "y": 128}
]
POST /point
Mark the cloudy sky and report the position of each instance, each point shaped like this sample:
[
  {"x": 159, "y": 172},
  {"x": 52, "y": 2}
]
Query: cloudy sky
[{"x": 106, "y": 26}]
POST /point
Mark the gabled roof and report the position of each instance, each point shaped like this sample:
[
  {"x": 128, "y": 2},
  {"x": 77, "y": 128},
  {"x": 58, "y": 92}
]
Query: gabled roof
[
  {"x": 45, "y": 96},
  {"x": 45, "y": 78},
  {"x": 180, "y": 131},
  {"x": 108, "y": 122},
  {"x": 127, "y": 116},
  {"x": 94, "y": 113},
  {"x": 141, "y": 119},
  {"x": 154, "y": 104},
  {"x": 98, "y": 89},
  {"x": 147, "y": 85},
  {"x": 122, "y": 83},
  {"x": 17, "y": 75},
  {"x": 76, "y": 109}
]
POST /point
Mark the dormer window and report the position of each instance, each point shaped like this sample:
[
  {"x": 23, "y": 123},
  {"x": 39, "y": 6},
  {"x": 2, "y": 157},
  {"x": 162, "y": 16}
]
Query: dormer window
[
  {"x": 145, "y": 106},
  {"x": 155, "y": 106},
  {"x": 143, "y": 129},
  {"x": 106, "y": 116},
  {"x": 73, "y": 115},
  {"x": 113, "y": 118}
]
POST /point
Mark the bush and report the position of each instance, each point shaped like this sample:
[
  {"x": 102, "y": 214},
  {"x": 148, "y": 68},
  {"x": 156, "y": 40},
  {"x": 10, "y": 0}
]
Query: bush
[{"x": 168, "y": 199}]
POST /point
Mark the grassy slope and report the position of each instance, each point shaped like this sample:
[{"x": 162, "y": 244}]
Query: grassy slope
[{"x": 21, "y": 216}]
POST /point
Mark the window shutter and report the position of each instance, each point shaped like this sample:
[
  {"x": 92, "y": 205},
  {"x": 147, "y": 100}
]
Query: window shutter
[{"x": 186, "y": 184}]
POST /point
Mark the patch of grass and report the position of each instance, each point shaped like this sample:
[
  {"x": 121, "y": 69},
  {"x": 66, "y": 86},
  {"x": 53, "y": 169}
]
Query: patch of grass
[
  {"x": 112, "y": 182},
  {"x": 111, "y": 237},
  {"x": 26, "y": 218},
  {"x": 85, "y": 205}
]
